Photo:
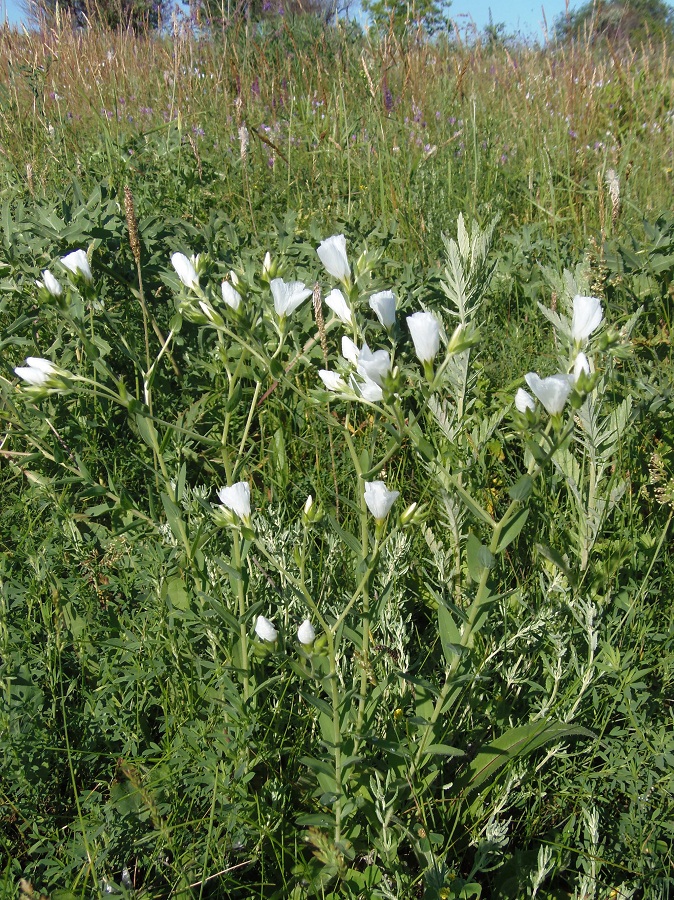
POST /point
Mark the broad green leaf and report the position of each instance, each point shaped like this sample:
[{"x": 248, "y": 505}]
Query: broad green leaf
[
  {"x": 512, "y": 529},
  {"x": 478, "y": 557},
  {"x": 443, "y": 750},
  {"x": 450, "y": 635},
  {"x": 522, "y": 488}
]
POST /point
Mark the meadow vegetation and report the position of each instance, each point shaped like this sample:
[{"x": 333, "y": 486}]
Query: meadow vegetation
[{"x": 301, "y": 594}]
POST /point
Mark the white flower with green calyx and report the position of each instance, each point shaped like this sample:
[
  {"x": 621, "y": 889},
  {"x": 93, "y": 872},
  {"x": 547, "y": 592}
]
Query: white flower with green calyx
[
  {"x": 524, "y": 401},
  {"x": 186, "y": 270},
  {"x": 425, "y": 332},
  {"x": 51, "y": 284},
  {"x": 336, "y": 301},
  {"x": 236, "y": 498},
  {"x": 332, "y": 253},
  {"x": 265, "y": 630},
  {"x": 38, "y": 372},
  {"x": 288, "y": 295},
  {"x": 331, "y": 380},
  {"x": 230, "y": 295},
  {"x": 211, "y": 315},
  {"x": 350, "y": 351},
  {"x": 374, "y": 366},
  {"x": 306, "y": 633},
  {"x": 383, "y": 304},
  {"x": 587, "y": 317},
  {"x": 553, "y": 392},
  {"x": 581, "y": 364},
  {"x": 379, "y": 499},
  {"x": 78, "y": 263},
  {"x": 369, "y": 390}
]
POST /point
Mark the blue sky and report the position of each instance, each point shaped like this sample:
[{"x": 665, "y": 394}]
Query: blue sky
[{"x": 524, "y": 16}]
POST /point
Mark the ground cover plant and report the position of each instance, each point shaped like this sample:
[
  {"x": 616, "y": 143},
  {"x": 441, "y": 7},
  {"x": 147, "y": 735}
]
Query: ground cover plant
[{"x": 337, "y": 467}]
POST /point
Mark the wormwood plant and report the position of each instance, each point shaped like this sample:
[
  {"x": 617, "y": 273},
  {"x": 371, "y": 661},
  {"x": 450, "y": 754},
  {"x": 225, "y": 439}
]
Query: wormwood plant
[{"x": 385, "y": 666}]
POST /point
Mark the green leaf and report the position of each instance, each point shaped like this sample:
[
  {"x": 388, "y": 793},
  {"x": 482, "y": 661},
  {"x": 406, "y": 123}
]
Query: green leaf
[
  {"x": 450, "y": 635},
  {"x": 472, "y": 504},
  {"x": 515, "y": 743},
  {"x": 478, "y": 556},
  {"x": 443, "y": 750},
  {"x": 175, "y": 521},
  {"x": 512, "y": 529},
  {"x": 147, "y": 431},
  {"x": 522, "y": 488}
]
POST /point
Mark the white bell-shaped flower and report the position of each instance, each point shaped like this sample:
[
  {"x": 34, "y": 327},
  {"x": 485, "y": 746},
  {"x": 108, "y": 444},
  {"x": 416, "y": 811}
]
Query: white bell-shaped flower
[
  {"x": 587, "y": 317},
  {"x": 332, "y": 380},
  {"x": 373, "y": 365},
  {"x": 288, "y": 295},
  {"x": 384, "y": 305},
  {"x": 553, "y": 392},
  {"x": 306, "y": 633},
  {"x": 77, "y": 263},
  {"x": 336, "y": 301},
  {"x": 236, "y": 498},
  {"x": 265, "y": 630},
  {"x": 52, "y": 284},
  {"x": 581, "y": 364},
  {"x": 230, "y": 295},
  {"x": 185, "y": 270},
  {"x": 524, "y": 401},
  {"x": 332, "y": 253},
  {"x": 425, "y": 333},
  {"x": 379, "y": 499},
  {"x": 38, "y": 371}
]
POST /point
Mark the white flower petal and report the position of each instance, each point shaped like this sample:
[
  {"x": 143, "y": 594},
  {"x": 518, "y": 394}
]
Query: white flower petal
[
  {"x": 336, "y": 301},
  {"x": 77, "y": 263},
  {"x": 38, "y": 371},
  {"x": 288, "y": 295},
  {"x": 524, "y": 401},
  {"x": 553, "y": 392},
  {"x": 581, "y": 364},
  {"x": 384, "y": 305},
  {"x": 265, "y": 630},
  {"x": 379, "y": 499},
  {"x": 52, "y": 284},
  {"x": 350, "y": 351},
  {"x": 368, "y": 390},
  {"x": 332, "y": 253},
  {"x": 236, "y": 498},
  {"x": 230, "y": 295},
  {"x": 332, "y": 380},
  {"x": 306, "y": 633},
  {"x": 185, "y": 270},
  {"x": 587, "y": 316},
  {"x": 373, "y": 365},
  {"x": 425, "y": 333}
]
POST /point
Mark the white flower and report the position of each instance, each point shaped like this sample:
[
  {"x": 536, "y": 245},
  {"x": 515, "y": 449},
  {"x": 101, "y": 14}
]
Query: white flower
[
  {"x": 374, "y": 366},
  {"x": 332, "y": 253},
  {"x": 337, "y": 303},
  {"x": 369, "y": 390},
  {"x": 231, "y": 296},
  {"x": 379, "y": 499},
  {"x": 38, "y": 371},
  {"x": 288, "y": 295},
  {"x": 524, "y": 401},
  {"x": 53, "y": 285},
  {"x": 350, "y": 351},
  {"x": 587, "y": 316},
  {"x": 384, "y": 305},
  {"x": 305, "y": 633},
  {"x": 236, "y": 498},
  {"x": 332, "y": 380},
  {"x": 553, "y": 391},
  {"x": 308, "y": 503},
  {"x": 425, "y": 333},
  {"x": 185, "y": 269},
  {"x": 77, "y": 263},
  {"x": 582, "y": 364},
  {"x": 265, "y": 630}
]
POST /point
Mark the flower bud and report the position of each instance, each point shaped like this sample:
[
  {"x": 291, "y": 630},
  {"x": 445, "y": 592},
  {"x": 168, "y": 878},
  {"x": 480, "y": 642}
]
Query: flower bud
[{"x": 306, "y": 634}]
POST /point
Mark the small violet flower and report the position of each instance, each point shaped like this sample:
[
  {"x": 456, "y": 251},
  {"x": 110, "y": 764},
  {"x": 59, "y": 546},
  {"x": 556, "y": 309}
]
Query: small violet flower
[
  {"x": 185, "y": 270},
  {"x": 379, "y": 499},
  {"x": 587, "y": 316},
  {"x": 77, "y": 263},
  {"x": 265, "y": 630},
  {"x": 288, "y": 295},
  {"x": 236, "y": 498},
  {"x": 384, "y": 306},
  {"x": 332, "y": 253},
  {"x": 425, "y": 333},
  {"x": 336, "y": 302},
  {"x": 553, "y": 391}
]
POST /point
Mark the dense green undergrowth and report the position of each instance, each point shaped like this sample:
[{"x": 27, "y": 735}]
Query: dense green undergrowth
[{"x": 484, "y": 708}]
